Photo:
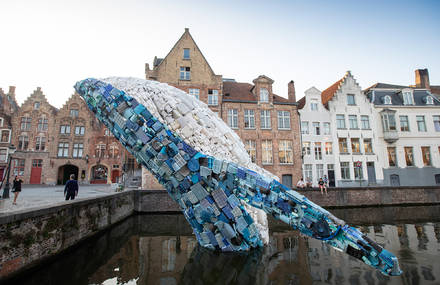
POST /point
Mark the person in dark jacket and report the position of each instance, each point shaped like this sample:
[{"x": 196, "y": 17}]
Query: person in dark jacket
[
  {"x": 16, "y": 188},
  {"x": 71, "y": 188}
]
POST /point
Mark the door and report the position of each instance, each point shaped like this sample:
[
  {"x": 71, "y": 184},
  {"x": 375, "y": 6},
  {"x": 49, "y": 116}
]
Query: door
[
  {"x": 331, "y": 178},
  {"x": 395, "y": 180},
  {"x": 371, "y": 173},
  {"x": 2, "y": 171},
  {"x": 36, "y": 171},
  {"x": 115, "y": 176},
  {"x": 287, "y": 180}
]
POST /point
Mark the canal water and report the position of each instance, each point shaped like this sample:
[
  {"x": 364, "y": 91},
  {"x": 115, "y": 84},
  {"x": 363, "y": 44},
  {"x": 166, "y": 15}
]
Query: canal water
[{"x": 160, "y": 249}]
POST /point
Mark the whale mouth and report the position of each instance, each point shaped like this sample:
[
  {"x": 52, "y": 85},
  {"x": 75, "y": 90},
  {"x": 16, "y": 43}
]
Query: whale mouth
[{"x": 210, "y": 189}]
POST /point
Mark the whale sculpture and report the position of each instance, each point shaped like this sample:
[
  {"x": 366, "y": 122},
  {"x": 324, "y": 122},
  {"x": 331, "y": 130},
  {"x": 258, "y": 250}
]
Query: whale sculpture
[{"x": 213, "y": 193}]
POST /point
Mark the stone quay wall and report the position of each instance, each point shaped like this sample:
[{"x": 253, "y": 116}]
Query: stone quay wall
[{"x": 28, "y": 237}]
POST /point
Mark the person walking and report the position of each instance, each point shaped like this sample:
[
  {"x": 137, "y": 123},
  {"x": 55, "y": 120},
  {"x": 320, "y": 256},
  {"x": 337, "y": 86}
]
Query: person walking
[
  {"x": 16, "y": 188},
  {"x": 322, "y": 186},
  {"x": 71, "y": 188}
]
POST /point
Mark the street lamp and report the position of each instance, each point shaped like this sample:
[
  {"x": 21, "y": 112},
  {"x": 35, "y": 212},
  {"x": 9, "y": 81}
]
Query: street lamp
[{"x": 6, "y": 190}]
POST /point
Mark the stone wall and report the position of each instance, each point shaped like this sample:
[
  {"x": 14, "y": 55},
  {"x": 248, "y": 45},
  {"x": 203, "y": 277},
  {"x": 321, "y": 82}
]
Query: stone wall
[{"x": 28, "y": 237}]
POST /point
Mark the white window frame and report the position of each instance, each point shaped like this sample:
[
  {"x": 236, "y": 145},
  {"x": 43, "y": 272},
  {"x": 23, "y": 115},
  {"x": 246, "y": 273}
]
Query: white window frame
[
  {"x": 283, "y": 120},
  {"x": 194, "y": 92},
  {"x": 265, "y": 122},
  {"x": 267, "y": 153},
  {"x": 249, "y": 119},
  {"x": 285, "y": 150},
  {"x": 212, "y": 97},
  {"x": 233, "y": 118},
  {"x": 264, "y": 95},
  {"x": 185, "y": 73},
  {"x": 63, "y": 149},
  {"x": 340, "y": 122}
]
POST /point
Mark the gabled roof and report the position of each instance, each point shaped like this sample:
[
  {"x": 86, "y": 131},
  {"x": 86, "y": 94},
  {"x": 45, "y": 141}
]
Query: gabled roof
[
  {"x": 42, "y": 97},
  {"x": 380, "y": 85},
  {"x": 302, "y": 102},
  {"x": 377, "y": 97},
  {"x": 328, "y": 93},
  {"x": 158, "y": 61},
  {"x": 240, "y": 91}
]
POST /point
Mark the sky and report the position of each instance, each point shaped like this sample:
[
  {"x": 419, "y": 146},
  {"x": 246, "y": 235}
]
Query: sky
[{"x": 54, "y": 43}]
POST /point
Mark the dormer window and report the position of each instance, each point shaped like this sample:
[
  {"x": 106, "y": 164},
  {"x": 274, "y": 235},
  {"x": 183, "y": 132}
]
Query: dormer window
[
  {"x": 407, "y": 98},
  {"x": 429, "y": 100},
  {"x": 314, "y": 105},
  {"x": 264, "y": 95},
  {"x": 387, "y": 100},
  {"x": 186, "y": 53}
]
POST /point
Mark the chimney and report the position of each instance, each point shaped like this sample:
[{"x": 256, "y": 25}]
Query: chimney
[
  {"x": 291, "y": 91},
  {"x": 422, "y": 78},
  {"x": 11, "y": 90}
]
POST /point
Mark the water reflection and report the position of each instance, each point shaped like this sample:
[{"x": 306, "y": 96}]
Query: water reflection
[{"x": 161, "y": 250}]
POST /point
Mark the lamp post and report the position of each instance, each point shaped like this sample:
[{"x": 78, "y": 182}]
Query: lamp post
[{"x": 6, "y": 190}]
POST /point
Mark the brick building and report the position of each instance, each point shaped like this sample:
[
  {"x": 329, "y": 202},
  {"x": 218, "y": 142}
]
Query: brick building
[
  {"x": 267, "y": 123},
  {"x": 54, "y": 143},
  {"x": 8, "y": 106}
]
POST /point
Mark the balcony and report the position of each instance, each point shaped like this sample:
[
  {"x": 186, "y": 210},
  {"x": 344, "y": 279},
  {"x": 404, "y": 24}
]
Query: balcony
[{"x": 390, "y": 136}]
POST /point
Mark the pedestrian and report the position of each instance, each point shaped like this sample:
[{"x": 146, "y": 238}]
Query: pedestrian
[
  {"x": 301, "y": 183},
  {"x": 71, "y": 188},
  {"x": 16, "y": 188},
  {"x": 322, "y": 186}
]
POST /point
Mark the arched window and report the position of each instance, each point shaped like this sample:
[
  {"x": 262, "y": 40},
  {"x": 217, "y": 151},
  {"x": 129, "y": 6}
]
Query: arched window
[
  {"x": 387, "y": 100},
  {"x": 429, "y": 100}
]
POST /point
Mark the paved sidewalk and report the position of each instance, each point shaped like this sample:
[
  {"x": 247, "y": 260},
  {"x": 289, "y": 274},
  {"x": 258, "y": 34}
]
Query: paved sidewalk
[{"x": 36, "y": 196}]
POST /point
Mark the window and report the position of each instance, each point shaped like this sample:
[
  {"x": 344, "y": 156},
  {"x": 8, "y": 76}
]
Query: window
[
  {"x": 42, "y": 124},
  {"x": 107, "y": 132},
  {"x": 64, "y": 129},
  {"x": 387, "y": 100},
  {"x": 392, "y": 159},
  {"x": 3, "y": 155},
  {"x": 357, "y": 171},
  {"x": 100, "y": 150},
  {"x": 308, "y": 175},
  {"x": 251, "y": 148},
  {"x": 340, "y": 121},
  {"x": 265, "y": 119},
  {"x": 350, "y": 99},
  {"x": 365, "y": 122},
  {"x": 249, "y": 119},
  {"x": 328, "y": 148},
  {"x": 314, "y": 105},
  {"x": 330, "y": 167},
  {"x": 36, "y": 105},
  {"x": 319, "y": 171},
  {"x": 355, "y": 146},
  {"x": 429, "y": 100},
  {"x": 74, "y": 113},
  {"x": 194, "y": 92},
  {"x": 264, "y": 95},
  {"x": 23, "y": 142},
  {"x": 316, "y": 128},
  {"x": 368, "y": 146},
  {"x": 345, "y": 170},
  {"x": 285, "y": 151},
  {"x": 421, "y": 123},
  {"x": 40, "y": 143},
  {"x": 284, "y": 120},
  {"x": 318, "y": 151},
  {"x": 407, "y": 98},
  {"x": 343, "y": 145},
  {"x": 114, "y": 151},
  {"x": 436, "y": 123},
  {"x": 326, "y": 127},
  {"x": 19, "y": 167},
  {"x": 37, "y": 162},
  {"x": 266, "y": 146},
  {"x": 353, "y": 121},
  {"x": 185, "y": 73},
  {"x": 63, "y": 149},
  {"x": 404, "y": 123},
  {"x": 26, "y": 123},
  {"x": 77, "y": 150},
  {"x": 304, "y": 128},
  {"x": 186, "y": 53},
  {"x": 5, "y": 135},
  {"x": 79, "y": 130},
  {"x": 306, "y": 148},
  {"x": 233, "y": 118},
  {"x": 409, "y": 157},
  {"x": 426, "y": 155},
  {"x": 388, "y": 121},
  {"x": 212, "y": 97},
  {"x": 1, "y": 119}
]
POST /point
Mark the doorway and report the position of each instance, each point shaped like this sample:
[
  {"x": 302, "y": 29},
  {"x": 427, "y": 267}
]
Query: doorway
[
  {"x": 371, "y": 173},
  {"x": 65, "y": 171},
  {"x": 99, "y": 174},
  {"x": 115, "y": 175},
  {"x": 331, "y": 178},
  {"x": 37, "y": 166},
  {"x": 287, "y": 180}
]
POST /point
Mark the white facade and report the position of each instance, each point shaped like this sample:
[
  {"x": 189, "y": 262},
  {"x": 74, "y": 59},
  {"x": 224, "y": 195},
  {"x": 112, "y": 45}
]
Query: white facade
[
  {"x": 357, "y": 162},
  {"x": 316, "y": 136},
  {"x": 408, "y": 136}
]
